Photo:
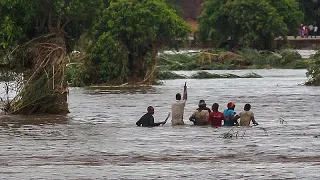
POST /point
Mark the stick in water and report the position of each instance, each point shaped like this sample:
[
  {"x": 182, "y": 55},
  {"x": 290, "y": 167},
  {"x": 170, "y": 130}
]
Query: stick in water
[{"x": 165, "y": 121}]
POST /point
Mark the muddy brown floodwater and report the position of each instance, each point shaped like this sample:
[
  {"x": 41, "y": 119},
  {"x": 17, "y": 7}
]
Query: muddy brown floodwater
[{"x": 99, "y": 139}]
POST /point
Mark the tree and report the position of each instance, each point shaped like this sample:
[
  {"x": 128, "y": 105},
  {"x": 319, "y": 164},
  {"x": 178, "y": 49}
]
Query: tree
[
  {"x": 311, "y": 10},
  {"x": 248, "y": 23},
  {"x": 37, "y": 33},
  {"x": 129, "y": 36}
]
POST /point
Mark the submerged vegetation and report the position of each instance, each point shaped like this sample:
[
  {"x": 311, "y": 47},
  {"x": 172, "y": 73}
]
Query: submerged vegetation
[
  {"x": 163, "y": 75},
  {"x": 224, "y": 60}
]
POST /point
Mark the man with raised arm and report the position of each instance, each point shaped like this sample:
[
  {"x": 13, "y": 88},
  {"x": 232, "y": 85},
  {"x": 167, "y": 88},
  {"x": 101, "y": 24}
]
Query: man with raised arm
[{"x": 177, "y": 108}]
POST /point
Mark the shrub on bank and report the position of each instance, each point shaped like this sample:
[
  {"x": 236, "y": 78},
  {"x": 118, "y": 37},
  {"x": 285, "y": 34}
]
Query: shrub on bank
[
  {"x": 314, "y": 70},
  {"x": 169, "y": 75}
]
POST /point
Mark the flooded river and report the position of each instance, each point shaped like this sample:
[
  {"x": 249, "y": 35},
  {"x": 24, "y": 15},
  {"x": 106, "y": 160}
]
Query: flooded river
[{"x": 99, "y": 139}]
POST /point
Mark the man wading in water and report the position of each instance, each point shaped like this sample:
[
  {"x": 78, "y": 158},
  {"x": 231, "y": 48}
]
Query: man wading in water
[
  {"x": 147, "y": 120},
  {"x": 230, "y": 117},
  {"x": 177, "y": 108},
  {"x": 247, "y": 116},
  {"x": 201, "y": 115}
]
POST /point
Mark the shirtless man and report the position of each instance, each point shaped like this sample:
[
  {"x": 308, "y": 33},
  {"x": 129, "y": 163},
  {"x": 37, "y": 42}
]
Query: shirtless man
[
  {"x": 177, "y": 108},
  {"x": 201, "y": 115},
  {"x": 247, "y": 116}
]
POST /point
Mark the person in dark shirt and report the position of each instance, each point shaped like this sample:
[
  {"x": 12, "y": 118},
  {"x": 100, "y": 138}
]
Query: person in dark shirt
[{"x": 147, "y": 119}]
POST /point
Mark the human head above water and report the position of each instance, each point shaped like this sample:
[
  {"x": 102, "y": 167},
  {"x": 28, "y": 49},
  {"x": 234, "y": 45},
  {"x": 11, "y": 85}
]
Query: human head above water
[
  {"x": 231, "y": 105},
  {"x": 247, "y": 107},
  {"x": 215, "y": 107},
  {"x": 178, "y": 96},
  {"x": 202, "y": 104},
  {"x": 150, "y": 110}
]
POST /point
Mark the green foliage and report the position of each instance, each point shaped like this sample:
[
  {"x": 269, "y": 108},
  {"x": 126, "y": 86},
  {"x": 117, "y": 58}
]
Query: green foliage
[
  {"x": 221, "y": 60},
  {"x": 207, "y": 75},
  {"x": 21, "y": 21},
  {"x": 261, "y": 59},
  {"x": 168, "y": 75},
  {"x": 165, "y": 75},
  {"x": 134, "y": 30},
  {"x": 314, "y": 70},
  {"x": 289, "y": 56},
  {"x": 310, "y": 8},
  {"x": 35, "y": 36},
  {"x": 286, "y": 58},
  {"x": 185, "y": 61},
  {"x": 292, "y": 17},
  {"x": 77, "y": 75},
  {"x": 248, "y": 23},
  {"x": 174, "y": 4}
]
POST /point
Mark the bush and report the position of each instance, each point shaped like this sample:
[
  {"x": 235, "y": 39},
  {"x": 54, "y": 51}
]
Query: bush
[
  {"x": 168, "y": 75},
  {"x": 289, "y": 56},
  {"x": 314, "y": 70},
  {"x": 205, "y": 75},
  {"x": 77, "y": 75}
]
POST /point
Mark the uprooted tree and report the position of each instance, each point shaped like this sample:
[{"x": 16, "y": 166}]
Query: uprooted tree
[{"x": 33, "y": 38}]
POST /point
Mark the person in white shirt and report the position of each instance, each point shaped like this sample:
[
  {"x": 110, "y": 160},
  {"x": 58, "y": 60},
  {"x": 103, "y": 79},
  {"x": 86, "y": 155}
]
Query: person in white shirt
[
  {"x": 315, "y": 31},
  {"x": 177, "y": 108}
]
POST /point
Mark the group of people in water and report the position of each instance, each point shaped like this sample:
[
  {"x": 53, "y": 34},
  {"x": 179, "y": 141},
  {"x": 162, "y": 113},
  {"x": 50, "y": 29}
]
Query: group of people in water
[{"x": 202, "y": 115}]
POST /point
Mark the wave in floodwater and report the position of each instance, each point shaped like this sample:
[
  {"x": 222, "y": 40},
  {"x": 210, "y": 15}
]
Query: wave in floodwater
[{"x": 99, "y": 139}]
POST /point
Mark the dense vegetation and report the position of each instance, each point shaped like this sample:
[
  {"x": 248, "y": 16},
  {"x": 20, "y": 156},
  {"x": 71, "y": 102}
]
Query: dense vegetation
[
  {"x": 119, "y": 41},
  {"x": 35, "y": 36},
  {"x": 163, "y": 75},
  {"x": 222, "y": 60},
  {"x": 136, "y": 31},
  {"x": 249, "y": 23}
]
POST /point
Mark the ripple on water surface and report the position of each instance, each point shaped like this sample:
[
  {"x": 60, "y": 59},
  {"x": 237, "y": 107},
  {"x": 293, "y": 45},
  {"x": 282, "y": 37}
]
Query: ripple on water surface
[{"x": 99, "y": 140}]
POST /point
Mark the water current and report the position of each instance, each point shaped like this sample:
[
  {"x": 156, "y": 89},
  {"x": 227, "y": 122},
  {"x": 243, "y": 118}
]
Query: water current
[{"x": 99, "y": 139}]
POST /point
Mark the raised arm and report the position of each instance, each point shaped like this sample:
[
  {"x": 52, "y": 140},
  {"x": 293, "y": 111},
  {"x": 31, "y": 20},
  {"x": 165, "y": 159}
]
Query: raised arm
[{"x": 185, "y": 91}]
